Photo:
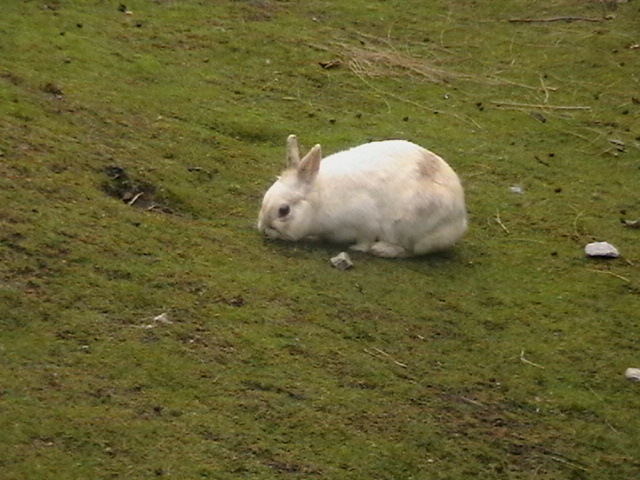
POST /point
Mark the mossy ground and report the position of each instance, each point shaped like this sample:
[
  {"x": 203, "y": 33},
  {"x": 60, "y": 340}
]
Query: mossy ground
[{"x": 501, "y": 359}]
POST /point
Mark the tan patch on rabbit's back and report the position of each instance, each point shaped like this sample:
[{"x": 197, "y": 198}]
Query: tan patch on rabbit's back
[{"x": 428, "y": 165}]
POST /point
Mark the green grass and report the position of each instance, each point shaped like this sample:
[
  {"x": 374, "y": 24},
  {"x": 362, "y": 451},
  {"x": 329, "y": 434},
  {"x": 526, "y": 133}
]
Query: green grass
[{"x": 501, "y": 359}]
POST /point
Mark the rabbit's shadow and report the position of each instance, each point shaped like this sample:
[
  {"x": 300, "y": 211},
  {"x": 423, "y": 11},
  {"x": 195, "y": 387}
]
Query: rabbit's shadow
[{"x": 303, "y": 249}]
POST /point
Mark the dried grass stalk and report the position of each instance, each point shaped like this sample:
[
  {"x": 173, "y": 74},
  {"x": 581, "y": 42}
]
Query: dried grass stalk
[{"x": 375, "y": 63}]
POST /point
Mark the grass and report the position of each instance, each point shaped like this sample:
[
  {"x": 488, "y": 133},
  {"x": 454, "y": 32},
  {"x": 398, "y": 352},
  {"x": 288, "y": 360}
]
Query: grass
[{"x": 501, "y": 359}]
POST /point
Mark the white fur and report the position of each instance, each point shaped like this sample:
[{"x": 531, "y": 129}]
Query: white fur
[{"x": 390, "y": 198}]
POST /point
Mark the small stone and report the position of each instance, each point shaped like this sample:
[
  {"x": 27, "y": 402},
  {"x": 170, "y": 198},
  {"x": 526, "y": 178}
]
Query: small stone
[
  {"x": 620, "y": 145},
  {"x": 162, "y": 318},
  {"x": 342, "y": 261},
  {"x": 53, "y": 89},
  {"x": 601, "y": 249},
  {"x": 628, "y": 223},
  {"x": 517, "y": 189},
  {"x": 633, "y": 374}
]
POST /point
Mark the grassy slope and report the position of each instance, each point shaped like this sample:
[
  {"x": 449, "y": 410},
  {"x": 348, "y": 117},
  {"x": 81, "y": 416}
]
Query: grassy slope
[{"x": 275, "y": 365}]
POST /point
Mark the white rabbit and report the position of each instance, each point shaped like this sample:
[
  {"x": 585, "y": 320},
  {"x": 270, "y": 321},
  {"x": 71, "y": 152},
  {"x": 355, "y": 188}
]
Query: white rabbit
[{"x": 390, "y": 198}]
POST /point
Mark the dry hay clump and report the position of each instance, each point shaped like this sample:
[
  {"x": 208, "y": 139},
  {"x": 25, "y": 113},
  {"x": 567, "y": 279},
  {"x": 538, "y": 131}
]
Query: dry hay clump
[
  {"x": 377, "y": 58},
  {"x": 375, "y": 63}
]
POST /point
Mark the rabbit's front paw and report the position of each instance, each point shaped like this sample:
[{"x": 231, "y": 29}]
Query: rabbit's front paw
[
  {"x": 388, "y": 250},
  {"x": 361, "y": 247}
]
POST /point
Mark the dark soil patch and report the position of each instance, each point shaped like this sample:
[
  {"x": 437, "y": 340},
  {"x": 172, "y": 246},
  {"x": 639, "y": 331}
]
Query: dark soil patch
[{"x": 134, "y": 192}]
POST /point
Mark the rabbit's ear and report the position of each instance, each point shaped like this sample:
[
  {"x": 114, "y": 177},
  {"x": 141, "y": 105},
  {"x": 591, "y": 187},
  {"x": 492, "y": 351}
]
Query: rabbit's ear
[
  {"x": 293, "y": 153},
  {"x": 308, "y": 167}
]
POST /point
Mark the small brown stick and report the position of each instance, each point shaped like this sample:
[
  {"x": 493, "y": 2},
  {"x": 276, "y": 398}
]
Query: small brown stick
[
  {"x": 528, "y": 362},
  {"x": 539, "y": 160},
  {"x": 403, "y": 365},
  {"x": 135, "y": 198},
  {"x": 528, "y": 240},
  {"x": 546, "y": 90},
  {"x": 576, "y": 234},
  {"x": 534, "y": 105},
  {"x": 602, "y": 400},
  {"x": 554, "y": 19},
  {"x": 377, "y": 352},
  {"x": 560, "y": 457},
  {"x": 499, "y": 222},
  {"x": 471, "y": 401},
  {"x": 625, "y": 279},
  {"x": 571, "y": 463}
]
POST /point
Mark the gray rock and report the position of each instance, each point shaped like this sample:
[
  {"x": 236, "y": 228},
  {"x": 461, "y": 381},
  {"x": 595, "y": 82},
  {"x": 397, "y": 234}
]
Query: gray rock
[
  {"x": 342, "y": 261},
  {"x": 601, "y": 249}
]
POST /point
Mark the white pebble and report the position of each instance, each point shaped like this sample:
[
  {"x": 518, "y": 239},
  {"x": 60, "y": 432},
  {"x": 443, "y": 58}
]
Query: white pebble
[{"x": 342, "y": 261}]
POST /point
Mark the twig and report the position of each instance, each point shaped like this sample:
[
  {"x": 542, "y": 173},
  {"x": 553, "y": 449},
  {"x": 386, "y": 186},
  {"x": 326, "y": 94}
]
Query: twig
[
  {"x": 562, "y": 458},
  {"x": 539, "y": 160},
  {"x": 528, "y": 362},
  {"x": 595, "y": 394},
  {"x": 385, "y": 354},
  {"x": 586, "y": 139},
  {"x": 545, "y": 89},
  {"x": 135, "y": 198},
  {"x": 603, "y": 400},
  {"x": 496, "y": 80},
  {"x": 554, "y": 19},
  {"x": 471, "y": 401},
  {"x": 499, "y": 222},
  {"x": 543, "y": 106},
  {"x": 611, "y": 426},
  {"x": 528, "y": 240},
  {"x": 403, "y": 365},
  {"x": 575, "y": 224},
  {"x": 566, "y": 461},
  {"x": 625, "y": 279}
]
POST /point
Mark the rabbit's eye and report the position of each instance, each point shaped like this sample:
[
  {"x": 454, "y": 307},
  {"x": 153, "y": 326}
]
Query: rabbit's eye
[{"x": 283, "y": 211}]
